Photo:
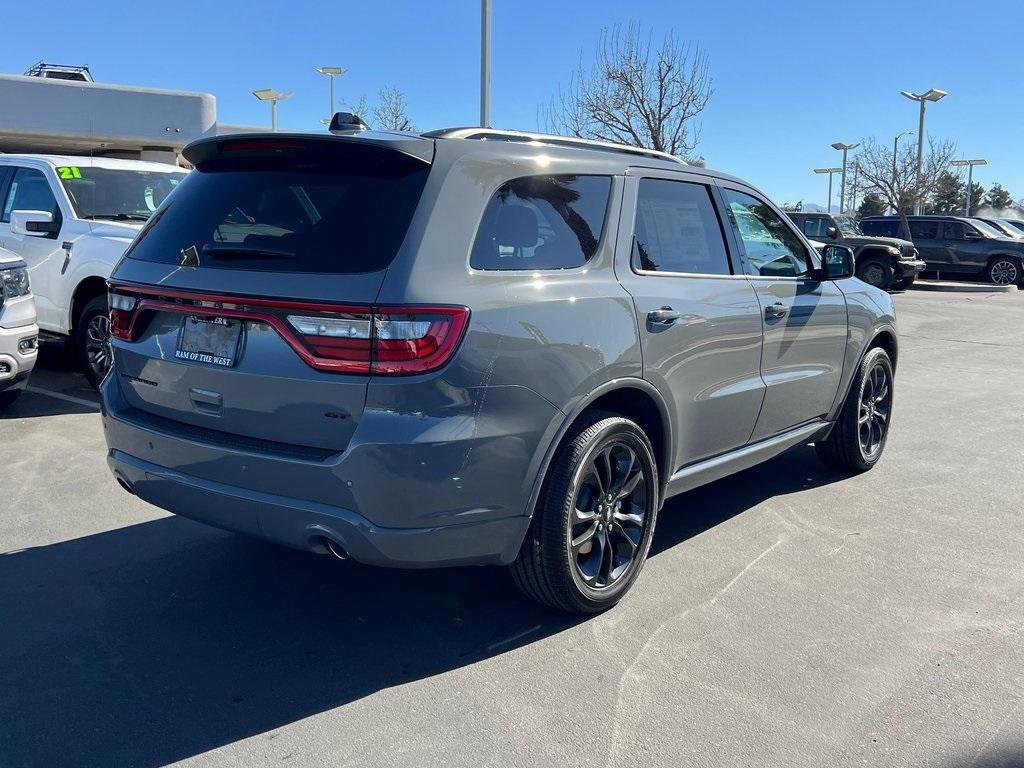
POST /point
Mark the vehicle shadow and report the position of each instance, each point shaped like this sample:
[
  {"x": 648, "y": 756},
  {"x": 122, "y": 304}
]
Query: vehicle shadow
[
  {"x": 55, "y": 388},
  {"x": 159, "y": 641}
]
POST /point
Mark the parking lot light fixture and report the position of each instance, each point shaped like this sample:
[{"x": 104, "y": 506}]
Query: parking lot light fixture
[
  {"x": 932, "y": 94},
  {"x": 970, "y": 178},
  {"x": 331, "y": 73},
  {"x": 831, "y": 172},
  {"x": 269, "y": 94},
  {"x": 844, "y": 148}
]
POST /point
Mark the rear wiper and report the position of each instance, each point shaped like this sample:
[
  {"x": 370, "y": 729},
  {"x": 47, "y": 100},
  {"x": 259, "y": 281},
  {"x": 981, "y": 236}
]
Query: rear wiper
[
  {"x": 118, "y": 216},
  {"x": 243, "y": 252}
]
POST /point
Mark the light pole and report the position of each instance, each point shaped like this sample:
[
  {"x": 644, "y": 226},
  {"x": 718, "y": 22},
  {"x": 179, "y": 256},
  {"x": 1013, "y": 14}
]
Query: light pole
[
  {"x": 831, "y": 172},
  {"x": 932, "y": 94},
  {"x": 895, "y": 148},
  {"x": 485, "y": 63},
  {"x": 269, "y": 94},
  {"x": 844, "y": 148},
  {"x": 331, "y": 72},
  {"x": 970, "y": 178}
]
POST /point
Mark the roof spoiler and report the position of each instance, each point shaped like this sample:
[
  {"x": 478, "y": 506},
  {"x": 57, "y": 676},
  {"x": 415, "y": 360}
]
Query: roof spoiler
[{"x": 280, "y": 145}]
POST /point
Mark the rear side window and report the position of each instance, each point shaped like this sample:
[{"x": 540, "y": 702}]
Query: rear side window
[
  {"x": 814, "y": 227},
  {"x": 542, "y": 222},
  {"x": 677, "y": 230},
  {"x": 337, "y": 217},
  {"x": 924, "y": 230}
]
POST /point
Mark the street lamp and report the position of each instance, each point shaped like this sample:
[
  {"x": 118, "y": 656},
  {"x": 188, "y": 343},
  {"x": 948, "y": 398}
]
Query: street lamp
[
  {"x": 269, "y": 94},
  {"x": 932, "y": 94},
  {"x": 331, "y": 72},
  {"x": 485, "y": 63},
  {"x": 970, "y": 168},
  {"x": 895, "y": 149},
  {"x": 831, "y": 172},
  {"x": 844, "y": 148}
]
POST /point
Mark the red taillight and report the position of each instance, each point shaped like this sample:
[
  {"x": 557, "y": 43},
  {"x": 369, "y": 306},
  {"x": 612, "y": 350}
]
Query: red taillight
[{"x": 392, "y": 341}]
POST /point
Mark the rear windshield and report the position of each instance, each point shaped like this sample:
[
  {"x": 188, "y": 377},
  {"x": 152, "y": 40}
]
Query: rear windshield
[{"x": 325, "y": 217}]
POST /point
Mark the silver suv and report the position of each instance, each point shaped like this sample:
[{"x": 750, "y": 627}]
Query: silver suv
[{"x": 477, "y": 347}]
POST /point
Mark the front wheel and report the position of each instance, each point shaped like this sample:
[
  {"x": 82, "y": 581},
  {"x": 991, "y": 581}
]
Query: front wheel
[
  {"x": 1004, "y": 271},
  {"x": 860, "y": 433},
  {"x": 92, "y": 340},
  {"x": 876, "y": 273},
  {"x": 593, "y": 524}
]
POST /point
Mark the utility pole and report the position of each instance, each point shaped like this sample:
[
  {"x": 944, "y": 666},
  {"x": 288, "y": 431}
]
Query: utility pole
[
  {"x": 970, "y": 178},
  {"x": 485, "y": 63},
  {"x": 932, "y": 94},
  {"x": 842, "y": 184}
]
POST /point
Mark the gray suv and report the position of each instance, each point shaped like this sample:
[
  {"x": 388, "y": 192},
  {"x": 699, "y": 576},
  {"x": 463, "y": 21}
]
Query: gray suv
[{"x": 476, "y": 347}]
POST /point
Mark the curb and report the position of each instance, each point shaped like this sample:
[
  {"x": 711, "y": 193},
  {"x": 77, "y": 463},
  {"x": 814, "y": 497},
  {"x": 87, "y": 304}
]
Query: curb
[{"x": 954, "y": 287}]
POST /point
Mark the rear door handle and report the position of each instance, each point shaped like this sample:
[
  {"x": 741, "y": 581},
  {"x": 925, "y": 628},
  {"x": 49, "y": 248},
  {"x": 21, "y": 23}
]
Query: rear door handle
[
  {"x": 776, "y": 310},
  {"x": 663, "y": 316}
]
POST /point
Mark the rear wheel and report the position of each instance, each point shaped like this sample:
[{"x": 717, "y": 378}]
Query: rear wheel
[
  {"x": 1004, "y": 270},
  {"x": 876, "y": 273},
  {"x": 594, "y": 522},
  {"x": 92, "y": 340},
  {"x": 858, "y": 438}
]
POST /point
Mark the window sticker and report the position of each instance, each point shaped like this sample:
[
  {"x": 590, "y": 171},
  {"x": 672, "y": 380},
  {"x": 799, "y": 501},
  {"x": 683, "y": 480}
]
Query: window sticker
[{"x": 69, "y": 172}]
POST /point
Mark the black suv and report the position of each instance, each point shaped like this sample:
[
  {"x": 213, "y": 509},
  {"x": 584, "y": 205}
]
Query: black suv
[
  {"x": 889, "y": 263},
  {"x": 958, "y": 245}
]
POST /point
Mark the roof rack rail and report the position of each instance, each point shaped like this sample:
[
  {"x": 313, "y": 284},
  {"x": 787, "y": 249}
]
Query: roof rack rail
[{"x": 495, "y": 134}]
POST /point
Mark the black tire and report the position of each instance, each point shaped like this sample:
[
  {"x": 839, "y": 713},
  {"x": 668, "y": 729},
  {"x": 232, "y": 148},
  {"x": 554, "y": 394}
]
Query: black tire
[
  {"x": 904, "y": 284},
  {"x": 7, "y": 398},
  {"x": 876, "y": 272},
  {"x": 92, "y": 340},
  {"x": 549, "y": 567},
  {"x": 1004, "y": 270},
  {"x": 845, "y": 447}
]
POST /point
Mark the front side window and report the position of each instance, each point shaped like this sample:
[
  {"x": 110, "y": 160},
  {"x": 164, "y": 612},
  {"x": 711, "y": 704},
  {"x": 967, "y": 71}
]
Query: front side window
[
  {"x": 677, "y": 230},
  {"x": 29, "y": 191},
  {"x": 953, "y": 230},
  {"x": 114, "y": 193},
  {"x": 772, "y": 248},
  {"x": 812, "y": 227},
  {"x": 542, "y": 222}
]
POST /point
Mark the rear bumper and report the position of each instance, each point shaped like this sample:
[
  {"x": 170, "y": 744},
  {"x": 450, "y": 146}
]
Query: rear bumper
[
  {"x": 305, "y": 525},
  {"x": 413, "y": 489}
]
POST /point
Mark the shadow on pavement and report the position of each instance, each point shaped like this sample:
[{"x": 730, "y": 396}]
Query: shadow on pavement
[{"x": 152, "y": 643}]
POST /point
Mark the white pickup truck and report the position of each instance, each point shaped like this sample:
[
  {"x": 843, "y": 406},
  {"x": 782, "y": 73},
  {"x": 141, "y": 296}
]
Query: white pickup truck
[{"x": 70, "y": 219}]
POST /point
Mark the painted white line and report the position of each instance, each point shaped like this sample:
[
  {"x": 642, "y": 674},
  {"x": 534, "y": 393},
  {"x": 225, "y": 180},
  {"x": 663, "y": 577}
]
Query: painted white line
[{"x": 62, "y": 396}]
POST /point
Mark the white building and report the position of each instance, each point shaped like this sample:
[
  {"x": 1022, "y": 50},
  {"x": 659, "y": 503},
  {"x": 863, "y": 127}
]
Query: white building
[{"x": 60, "y": 110}]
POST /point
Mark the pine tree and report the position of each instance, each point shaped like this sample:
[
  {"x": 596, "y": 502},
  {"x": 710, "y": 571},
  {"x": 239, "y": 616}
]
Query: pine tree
[
  {"x": 998, "y": 198},
  {"x": 871, "y": 205},
  {"x": 948, "y": 197}
]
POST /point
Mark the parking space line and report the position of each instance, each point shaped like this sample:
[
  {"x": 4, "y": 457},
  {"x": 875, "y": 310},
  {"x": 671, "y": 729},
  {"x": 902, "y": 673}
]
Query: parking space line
[{"x": 62, "y": 396}]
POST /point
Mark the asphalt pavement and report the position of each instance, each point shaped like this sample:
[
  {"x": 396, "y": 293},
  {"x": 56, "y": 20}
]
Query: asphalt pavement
[{"x": 788, "y": 616}]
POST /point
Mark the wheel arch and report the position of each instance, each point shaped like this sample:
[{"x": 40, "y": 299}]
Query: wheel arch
[
  {"x": 632, "y": 398},
  {"x": 86, "y": 290}
]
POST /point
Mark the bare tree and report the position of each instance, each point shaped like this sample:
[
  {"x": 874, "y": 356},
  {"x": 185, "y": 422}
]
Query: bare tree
[
  {"x": 391, "y": 112},
  {"x": 636, "y": 93},
  {"x": 895, "y": 178}
]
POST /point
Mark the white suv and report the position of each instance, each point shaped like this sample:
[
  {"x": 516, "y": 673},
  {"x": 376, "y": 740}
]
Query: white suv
[
  {"x": 70, "y": 219},
  {"x": 18, "y": 330}
]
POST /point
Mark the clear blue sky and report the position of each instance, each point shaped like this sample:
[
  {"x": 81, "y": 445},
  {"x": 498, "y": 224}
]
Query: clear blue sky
[{"x": 790, "y": 77}]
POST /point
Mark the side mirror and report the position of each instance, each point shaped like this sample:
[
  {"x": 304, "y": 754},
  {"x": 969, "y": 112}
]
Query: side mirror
[
  {"x": 970, "y": 234},
  {"x": 831, "y": 232},
  {"x": 33, "y": 223},
  {"x": 837, "y": 262}
]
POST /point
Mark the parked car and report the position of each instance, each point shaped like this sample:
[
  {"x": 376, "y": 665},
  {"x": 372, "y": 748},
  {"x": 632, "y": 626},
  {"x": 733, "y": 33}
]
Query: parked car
[
  {"x": 70, "y": 219},
  {"x": 956, "y": 245},
  {"x": 18, "y": 331},
  {"x": 477, "y": 347},
  {"x": 1017, "y": 224},
  {"x": 889, "y": 263},
  {"x": 1005, "y": 229}
]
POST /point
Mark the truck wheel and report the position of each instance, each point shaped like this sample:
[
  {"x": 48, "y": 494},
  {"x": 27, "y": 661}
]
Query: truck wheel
[
  {"x": 1004, "y": 270},
  {"x": 594, "y": 521},
  {"x": 859, "y": 434},
  {"x": 92, "y": 340},
  {"x": 876, "y": 273}
]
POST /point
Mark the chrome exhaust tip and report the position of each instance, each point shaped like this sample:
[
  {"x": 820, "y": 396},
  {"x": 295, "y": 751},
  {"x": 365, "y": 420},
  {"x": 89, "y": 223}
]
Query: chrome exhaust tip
[{"x": 336, "y": 549}]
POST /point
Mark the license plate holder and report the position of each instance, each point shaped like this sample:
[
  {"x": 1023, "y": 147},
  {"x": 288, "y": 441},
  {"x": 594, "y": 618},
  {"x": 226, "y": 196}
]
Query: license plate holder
[{"x": 209, "y": 340}]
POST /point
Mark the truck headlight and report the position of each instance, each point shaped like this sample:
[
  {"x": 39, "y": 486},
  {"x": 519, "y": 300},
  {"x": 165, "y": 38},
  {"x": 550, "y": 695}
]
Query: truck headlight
[
  {"x": 14, "y": 282},
  {"x": 892, "y": 250}
]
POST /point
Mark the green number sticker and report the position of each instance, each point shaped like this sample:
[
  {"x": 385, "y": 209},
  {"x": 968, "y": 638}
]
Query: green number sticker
[{"x": 69, "y": 172}]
